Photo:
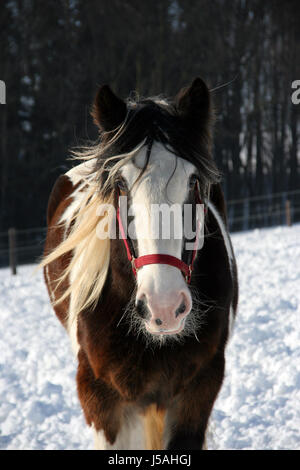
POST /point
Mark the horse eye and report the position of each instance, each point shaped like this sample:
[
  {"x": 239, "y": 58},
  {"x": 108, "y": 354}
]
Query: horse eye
[
  {"x": 122, "y": 185},
  {"x": 193, "y": 180}
]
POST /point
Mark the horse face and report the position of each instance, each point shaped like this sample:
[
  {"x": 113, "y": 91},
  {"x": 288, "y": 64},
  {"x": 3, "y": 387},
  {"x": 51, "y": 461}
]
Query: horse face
[{"x": 163, "y": 298}]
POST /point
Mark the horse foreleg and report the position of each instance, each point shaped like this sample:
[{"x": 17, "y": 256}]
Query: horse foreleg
[
  {"x": 115, "y": 424},
  {"x": 187, "y": 418},
  {"x": 129, "y": 437}
]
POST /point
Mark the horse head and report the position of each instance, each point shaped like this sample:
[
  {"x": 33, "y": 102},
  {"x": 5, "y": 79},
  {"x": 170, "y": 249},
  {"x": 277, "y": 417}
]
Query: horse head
[{"x": 158, "y": 156}]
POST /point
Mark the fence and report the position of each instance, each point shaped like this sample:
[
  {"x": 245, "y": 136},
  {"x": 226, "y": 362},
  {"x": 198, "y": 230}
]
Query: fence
[
  {"x": 26, "y": 246},
  {"x": 264, "y": 211},
  {"x": 21, "y": 246}
]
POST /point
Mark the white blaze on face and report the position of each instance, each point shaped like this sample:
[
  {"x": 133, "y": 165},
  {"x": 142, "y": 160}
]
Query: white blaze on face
[{"x": 161, "y": 287}]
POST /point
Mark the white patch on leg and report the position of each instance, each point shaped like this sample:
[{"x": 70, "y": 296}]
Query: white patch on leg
[{"x": 130, "y": 437}]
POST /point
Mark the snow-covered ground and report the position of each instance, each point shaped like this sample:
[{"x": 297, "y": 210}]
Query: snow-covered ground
[{"x": 259, "y": 405}]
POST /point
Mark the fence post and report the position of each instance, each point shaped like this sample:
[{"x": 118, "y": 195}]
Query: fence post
[
  {"x": 288, "y": 213},
  {"x": 12, "y": 250}
]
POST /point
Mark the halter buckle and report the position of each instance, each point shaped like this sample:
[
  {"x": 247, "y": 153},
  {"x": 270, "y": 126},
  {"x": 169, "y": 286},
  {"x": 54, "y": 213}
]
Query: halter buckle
[
  {"x": 189, "y": 275},
  {"x": 134, "y": 268}
]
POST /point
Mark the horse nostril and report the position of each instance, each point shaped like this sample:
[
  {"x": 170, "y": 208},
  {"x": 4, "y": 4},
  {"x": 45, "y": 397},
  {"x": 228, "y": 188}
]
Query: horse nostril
[
  {"x": 158, "y": 321},
  {"x": 141, "y": 308},
  {"x": 181, "y": 309}
]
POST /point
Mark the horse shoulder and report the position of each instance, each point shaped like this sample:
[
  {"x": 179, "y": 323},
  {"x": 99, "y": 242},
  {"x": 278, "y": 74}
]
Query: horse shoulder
[
  {"x": 61, "y": 191},
  {"x": 59, "y": 200}
]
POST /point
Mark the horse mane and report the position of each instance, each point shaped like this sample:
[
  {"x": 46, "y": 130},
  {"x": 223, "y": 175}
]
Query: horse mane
[{"x": 147, "y": 120}]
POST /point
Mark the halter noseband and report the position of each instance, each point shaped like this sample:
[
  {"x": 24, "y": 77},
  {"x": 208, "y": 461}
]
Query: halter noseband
[{"x": 141, "y": 261}]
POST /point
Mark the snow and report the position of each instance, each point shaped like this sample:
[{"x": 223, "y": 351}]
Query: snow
[{"x": 258, "y": 406}]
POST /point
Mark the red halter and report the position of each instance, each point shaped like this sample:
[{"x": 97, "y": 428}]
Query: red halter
[{"x": 141, "y": 261}]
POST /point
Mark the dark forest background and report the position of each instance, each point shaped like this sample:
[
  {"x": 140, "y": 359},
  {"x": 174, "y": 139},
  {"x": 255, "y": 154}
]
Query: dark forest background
[{"x": 54, "y": 54}]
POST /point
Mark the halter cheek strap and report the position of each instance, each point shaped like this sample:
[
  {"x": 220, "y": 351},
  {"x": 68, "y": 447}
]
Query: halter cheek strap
[{"x": 145, "y": 260}]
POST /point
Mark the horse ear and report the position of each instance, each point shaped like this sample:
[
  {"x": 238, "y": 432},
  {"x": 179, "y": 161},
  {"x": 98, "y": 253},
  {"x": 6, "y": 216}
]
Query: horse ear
[
  {"x": 108, "y": 111},
  {"x": 193, "y": 103}
]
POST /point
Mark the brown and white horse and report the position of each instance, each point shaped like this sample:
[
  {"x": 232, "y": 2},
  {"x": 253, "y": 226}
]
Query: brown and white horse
[{"x": 149, "y": 334}]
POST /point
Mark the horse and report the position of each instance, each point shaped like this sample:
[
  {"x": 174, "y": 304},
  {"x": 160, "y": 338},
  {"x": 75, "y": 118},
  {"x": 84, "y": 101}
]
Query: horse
[{"x": 148, "y": 319}]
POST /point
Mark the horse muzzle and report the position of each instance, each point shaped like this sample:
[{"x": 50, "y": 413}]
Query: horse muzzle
[{"x": 164, "y": 313}]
